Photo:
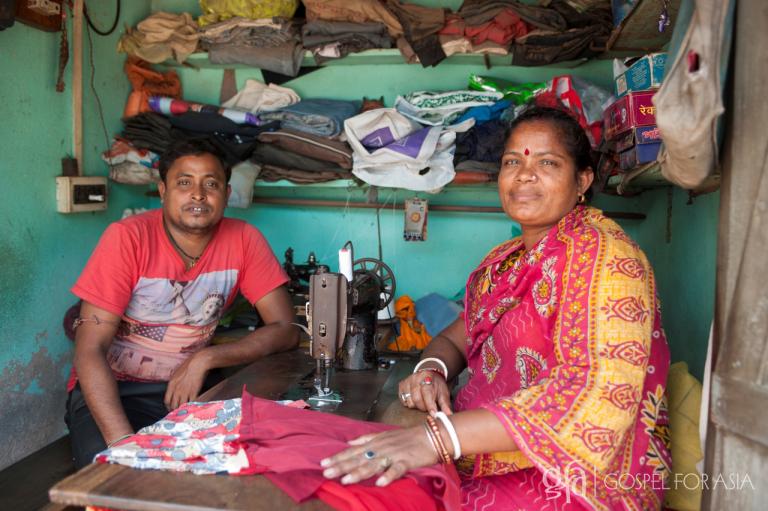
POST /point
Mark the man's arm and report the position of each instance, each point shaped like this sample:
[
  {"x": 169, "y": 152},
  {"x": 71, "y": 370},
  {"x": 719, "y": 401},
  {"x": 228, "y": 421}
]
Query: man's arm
[
  {"x": 92, "y": 339},
  {"x": 277, "y": 334}
]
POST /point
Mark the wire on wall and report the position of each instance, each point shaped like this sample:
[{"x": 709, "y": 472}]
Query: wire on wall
[
  {"x": 95, "y": 28},
  {"x": 95, "y": 93}
]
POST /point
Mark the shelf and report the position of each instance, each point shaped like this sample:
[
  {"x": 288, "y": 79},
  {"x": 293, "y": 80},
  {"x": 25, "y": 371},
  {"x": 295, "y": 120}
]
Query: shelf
[
  {"x": 374, "y": 57},
  {"x": 352, "y": 184}
]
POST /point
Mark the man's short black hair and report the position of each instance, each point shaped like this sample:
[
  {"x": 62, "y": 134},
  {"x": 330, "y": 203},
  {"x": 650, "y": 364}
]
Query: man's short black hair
[{"x": 191, "y": 147}]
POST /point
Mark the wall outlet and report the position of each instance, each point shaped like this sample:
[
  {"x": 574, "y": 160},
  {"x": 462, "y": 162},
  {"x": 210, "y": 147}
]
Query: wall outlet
[{"x": 81, "y": 193}]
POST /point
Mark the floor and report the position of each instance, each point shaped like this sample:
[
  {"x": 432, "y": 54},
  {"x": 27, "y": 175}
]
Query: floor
[{"x": 24, "y": 485}]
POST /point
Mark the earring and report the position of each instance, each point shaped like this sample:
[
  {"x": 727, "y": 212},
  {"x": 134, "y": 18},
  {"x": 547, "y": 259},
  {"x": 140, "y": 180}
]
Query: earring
[{"x": 582, "y": 198}]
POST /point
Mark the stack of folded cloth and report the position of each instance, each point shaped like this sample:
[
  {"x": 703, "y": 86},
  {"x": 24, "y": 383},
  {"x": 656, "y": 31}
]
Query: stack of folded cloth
[
  {"x": 273, "y": 44},
  {"x": 301, "y": 157},
  {"x": 335, "y": 39},
  {"x": 156, "y": 132}
]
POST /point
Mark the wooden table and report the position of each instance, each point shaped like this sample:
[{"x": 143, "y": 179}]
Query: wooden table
[{"x": 368, "y": 395}]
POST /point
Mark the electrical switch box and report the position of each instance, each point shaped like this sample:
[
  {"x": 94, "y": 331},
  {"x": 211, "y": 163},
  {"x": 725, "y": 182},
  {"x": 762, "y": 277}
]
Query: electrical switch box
[{"x": 81, "y": 193}]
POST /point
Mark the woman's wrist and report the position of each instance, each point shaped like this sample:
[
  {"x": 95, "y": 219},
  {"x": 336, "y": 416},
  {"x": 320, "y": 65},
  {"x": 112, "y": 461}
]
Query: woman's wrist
[
  {"x": 439, "y": 366},
  {"x": 452, "y": 435}
]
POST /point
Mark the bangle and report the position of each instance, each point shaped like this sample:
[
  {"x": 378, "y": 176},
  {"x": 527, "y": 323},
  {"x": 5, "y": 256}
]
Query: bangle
[
  {"x": 437, "y": 361},
  {"x": 113, "y": 442},
  {"x": 431, "y": 439},
  {"x": 451, "y": 433},
  {"x": 438, "y": 440}
]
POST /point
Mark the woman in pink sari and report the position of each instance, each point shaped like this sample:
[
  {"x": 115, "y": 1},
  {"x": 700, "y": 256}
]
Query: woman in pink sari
[{"x": 564, "y": 407}]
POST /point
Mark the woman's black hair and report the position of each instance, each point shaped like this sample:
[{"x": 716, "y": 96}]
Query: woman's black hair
[
  {"x": 574, "y": 137},
  {"x": 191, "y": 147}
]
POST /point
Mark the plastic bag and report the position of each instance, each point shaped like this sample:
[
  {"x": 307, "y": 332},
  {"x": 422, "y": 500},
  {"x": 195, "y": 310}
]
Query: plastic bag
[
  {"x": 218, "y": 10},
  {"x": 518, "y": 94}
]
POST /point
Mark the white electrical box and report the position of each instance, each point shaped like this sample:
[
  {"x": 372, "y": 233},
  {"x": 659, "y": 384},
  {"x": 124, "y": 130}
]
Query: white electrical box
[{"x": 81, "y": 193}]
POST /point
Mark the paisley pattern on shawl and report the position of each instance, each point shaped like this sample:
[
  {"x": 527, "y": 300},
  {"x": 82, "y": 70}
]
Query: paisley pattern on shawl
[{"x": 570, "y": 334}]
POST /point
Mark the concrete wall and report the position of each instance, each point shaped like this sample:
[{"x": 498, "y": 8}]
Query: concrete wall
[{"x": 43, "y": 251}]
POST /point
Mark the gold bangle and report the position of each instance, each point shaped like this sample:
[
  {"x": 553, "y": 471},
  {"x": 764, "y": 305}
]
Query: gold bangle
[
  {"x": 432, "y": 441},
  {"x": 444, "y": 454}
]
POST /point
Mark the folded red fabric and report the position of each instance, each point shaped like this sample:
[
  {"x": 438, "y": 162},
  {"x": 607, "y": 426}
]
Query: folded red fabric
[{"x": 286, "y": 445}]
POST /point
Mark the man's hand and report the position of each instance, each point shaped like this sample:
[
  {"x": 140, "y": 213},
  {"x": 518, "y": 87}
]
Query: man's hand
[{"x": 186, "y": 381}]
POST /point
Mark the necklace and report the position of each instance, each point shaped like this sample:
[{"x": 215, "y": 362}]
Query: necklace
[{"x": 181, "y": 250}]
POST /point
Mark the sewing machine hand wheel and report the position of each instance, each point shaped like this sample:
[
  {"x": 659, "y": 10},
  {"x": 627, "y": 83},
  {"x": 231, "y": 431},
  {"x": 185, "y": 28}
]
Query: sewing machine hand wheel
[{"x": 384, "y": 272}]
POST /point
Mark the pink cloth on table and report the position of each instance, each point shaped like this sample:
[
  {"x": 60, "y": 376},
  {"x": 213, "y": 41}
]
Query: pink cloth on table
[{"x": 287, "y": 444}]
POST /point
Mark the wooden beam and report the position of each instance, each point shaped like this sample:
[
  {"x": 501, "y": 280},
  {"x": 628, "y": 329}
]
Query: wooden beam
[{"x": 77, "y": 84}]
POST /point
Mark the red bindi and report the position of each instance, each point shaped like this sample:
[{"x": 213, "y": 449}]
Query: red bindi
[{"x": 527, "y": 152}]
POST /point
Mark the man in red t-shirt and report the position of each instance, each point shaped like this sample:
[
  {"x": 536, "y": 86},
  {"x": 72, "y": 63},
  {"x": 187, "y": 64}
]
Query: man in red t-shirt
[{"x": 153, "y": 292}]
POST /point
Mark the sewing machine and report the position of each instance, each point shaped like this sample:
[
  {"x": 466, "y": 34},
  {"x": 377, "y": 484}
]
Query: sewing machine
[
  {"x": 342, "y": 316},
  {"x": 300, "y": 273}
]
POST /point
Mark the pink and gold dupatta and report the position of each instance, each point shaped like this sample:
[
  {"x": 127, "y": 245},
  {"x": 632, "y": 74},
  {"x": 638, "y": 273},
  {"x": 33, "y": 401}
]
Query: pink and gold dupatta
[{"x": 565, "y": 346}]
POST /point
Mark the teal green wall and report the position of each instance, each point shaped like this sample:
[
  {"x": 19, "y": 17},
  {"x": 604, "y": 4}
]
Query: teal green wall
[
  {"x": 457, "y": 241},
  {"x": 43, "y": 251}
]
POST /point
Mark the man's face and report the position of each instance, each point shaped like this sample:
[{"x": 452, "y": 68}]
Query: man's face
[{"x": 194, "y": 193}]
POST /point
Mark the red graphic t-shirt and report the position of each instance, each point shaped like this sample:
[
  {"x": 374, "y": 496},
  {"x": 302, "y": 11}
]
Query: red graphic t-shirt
[{"x": 169, "y": 312}]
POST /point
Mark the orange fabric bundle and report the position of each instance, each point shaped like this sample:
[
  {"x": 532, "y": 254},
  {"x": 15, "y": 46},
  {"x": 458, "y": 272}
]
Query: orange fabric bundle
[
  {"x": 147, "y": 82},
  {"x": 413, "y": 335}
]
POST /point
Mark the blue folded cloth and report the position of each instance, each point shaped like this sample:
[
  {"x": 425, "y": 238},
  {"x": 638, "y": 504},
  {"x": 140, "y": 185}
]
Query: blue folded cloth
[
  {"x": 436, "y": 312},
  {"x": 322, "y": 117},
  {"x": 485, "y": 113}
]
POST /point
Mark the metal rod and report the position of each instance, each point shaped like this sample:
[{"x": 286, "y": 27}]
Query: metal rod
[
  {"x": 367, "y": 205},
  {"x": 319, "y": 203}
]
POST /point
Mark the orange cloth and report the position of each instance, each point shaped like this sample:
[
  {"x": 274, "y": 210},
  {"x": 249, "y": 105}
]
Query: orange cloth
[
  {"x": 147, "y": 82},
  {"x": 413, "y": 335}
]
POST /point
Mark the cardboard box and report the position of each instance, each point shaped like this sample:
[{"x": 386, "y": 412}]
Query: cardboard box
[
  {"x": 629, "y": 111},
  {"x": 638, "y": 154},
  {"x": 638, "y": 136},
  {"x": 645, "y": 74}
]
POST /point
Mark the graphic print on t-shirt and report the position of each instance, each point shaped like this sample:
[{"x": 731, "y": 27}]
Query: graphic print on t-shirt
[
  {"x": 165, "y": 321},
  {"x": 196, "y": 302}
]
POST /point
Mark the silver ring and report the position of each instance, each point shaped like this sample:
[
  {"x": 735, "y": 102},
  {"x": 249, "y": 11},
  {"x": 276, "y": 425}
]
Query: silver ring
[
  {"x": 404, "y": 396},
  {"x": 369, "y": 455}
]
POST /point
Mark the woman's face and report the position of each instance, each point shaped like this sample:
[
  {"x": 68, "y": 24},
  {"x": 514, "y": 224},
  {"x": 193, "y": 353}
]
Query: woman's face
[{"x": 538, "y": 182}]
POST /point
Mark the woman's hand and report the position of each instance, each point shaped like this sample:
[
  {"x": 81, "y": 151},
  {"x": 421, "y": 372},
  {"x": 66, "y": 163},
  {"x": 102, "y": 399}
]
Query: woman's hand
[
  {"x": 427, "y": 391},
  {"x": 391, "y": 454}
]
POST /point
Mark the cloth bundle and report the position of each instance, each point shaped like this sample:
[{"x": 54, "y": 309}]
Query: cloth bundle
[
  {"x": 217, "y": 10},
  {"x": 257, "y": 97},
  {"x": 196, "y": 437},
  {"x": 161, "y": 36},
  {"x": 442, "y": 108},
  {"x": 359, "y": 11},
  {"x": 146, "y": 82},
  {"x": 170, "y": 106},
  {"x": 306, "y": 144},
  {"x": 271, "y": 44},
  {"x": 131, "y": 165},
  {"x": 323, "y": 117},
  {"x": 391, "y": 150},
  {"x": 334, "y": 39},
  {"x": 156, "y": 132}
]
